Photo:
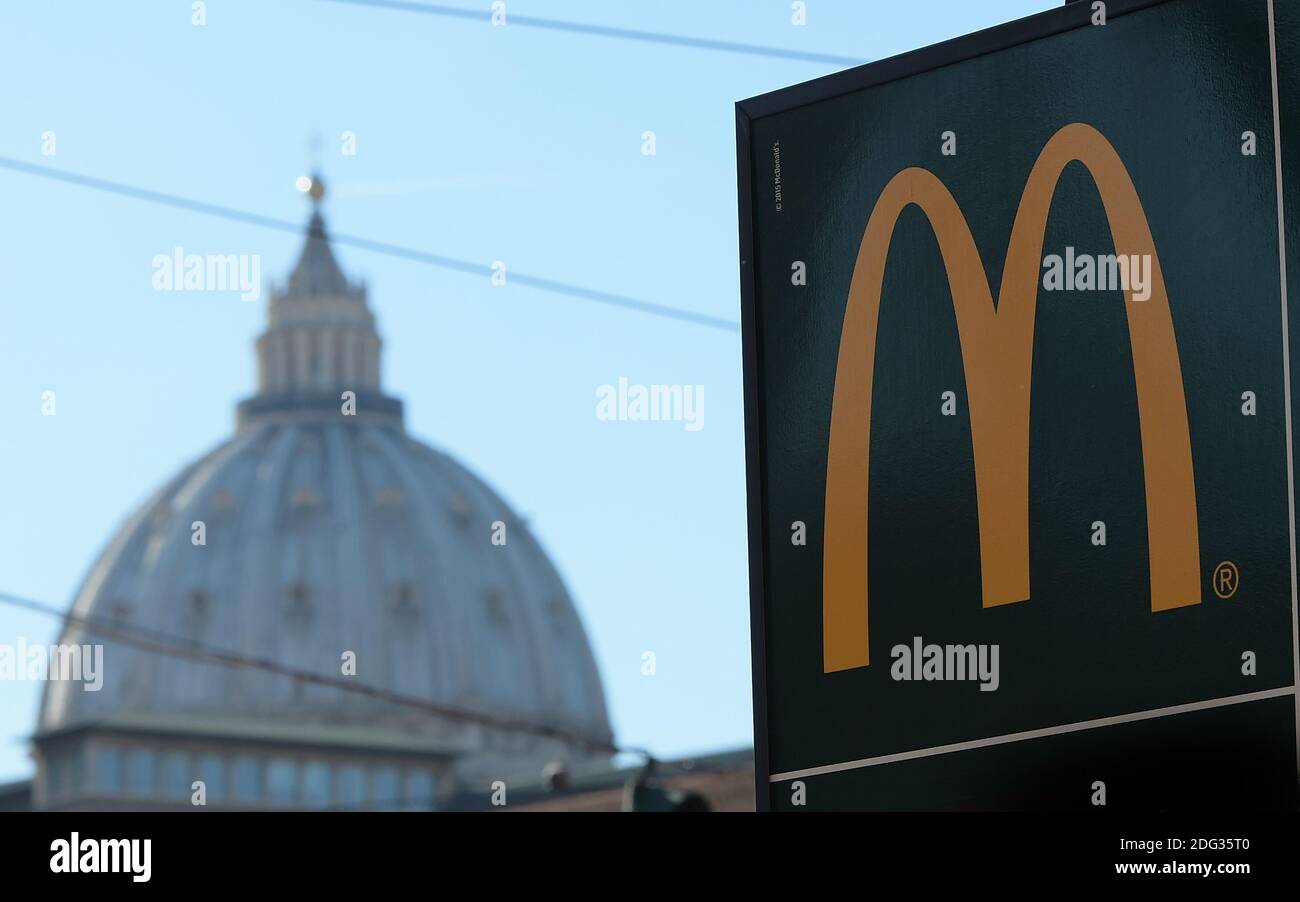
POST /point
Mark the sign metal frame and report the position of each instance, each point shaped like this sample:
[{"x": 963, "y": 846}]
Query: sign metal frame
[{"x": 992, "y": 40}]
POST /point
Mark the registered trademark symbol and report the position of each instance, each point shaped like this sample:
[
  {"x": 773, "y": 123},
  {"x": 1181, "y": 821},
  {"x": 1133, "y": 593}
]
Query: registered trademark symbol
[{"x": 1226, "y": 579}]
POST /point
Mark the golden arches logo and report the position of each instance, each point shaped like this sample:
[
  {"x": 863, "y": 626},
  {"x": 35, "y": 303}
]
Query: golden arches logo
[{"x": 997, "y": 353}]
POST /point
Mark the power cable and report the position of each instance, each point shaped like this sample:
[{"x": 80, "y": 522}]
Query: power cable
[
  {"x": 541, "y": 283},
  {"x": 159, "y": 642},
  {"x": 607, "y": 31}
]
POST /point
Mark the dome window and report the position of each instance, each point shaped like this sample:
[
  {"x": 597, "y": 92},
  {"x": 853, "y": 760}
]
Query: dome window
[
  {"x": 223, "y": 502},
  {"x": 198, "y": 607},
  {"x": 390, "y": 498},
  {"x": 298, "y": 605},
  {"x": 458, "y": 507},
  {"x": 559, "y": 613},
  {"x": 305, "y": 499},
  {"x": 494, "y": 600},
  {"x": 403, "y": 603},
  {"x": 120, "y": 611}
]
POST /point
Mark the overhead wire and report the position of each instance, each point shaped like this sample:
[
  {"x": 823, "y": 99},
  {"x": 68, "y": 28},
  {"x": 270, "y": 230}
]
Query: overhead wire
[
  {"x": 160, "y": 642},
  {"x": 541, "y": 283}
]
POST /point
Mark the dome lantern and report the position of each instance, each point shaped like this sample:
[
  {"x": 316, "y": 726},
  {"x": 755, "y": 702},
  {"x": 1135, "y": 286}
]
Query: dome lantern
[{"x": 321, "y": 340}]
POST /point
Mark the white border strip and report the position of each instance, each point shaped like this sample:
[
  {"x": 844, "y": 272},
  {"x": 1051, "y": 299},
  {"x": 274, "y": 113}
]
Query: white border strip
[
  {"x": 1035, "y": 734},
  {"x": 1286, "y": 365}
]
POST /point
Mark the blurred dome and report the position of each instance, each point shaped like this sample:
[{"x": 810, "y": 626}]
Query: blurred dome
[{"x": 325, "y": 532}]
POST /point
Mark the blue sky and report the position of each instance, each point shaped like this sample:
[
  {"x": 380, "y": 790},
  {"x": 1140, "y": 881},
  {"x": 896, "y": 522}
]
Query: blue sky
[{"x": 481, "y": 143}]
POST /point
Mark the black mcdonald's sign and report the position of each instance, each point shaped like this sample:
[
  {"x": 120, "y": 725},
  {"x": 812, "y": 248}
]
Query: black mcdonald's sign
[{"x": 1020, "y": 541}]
